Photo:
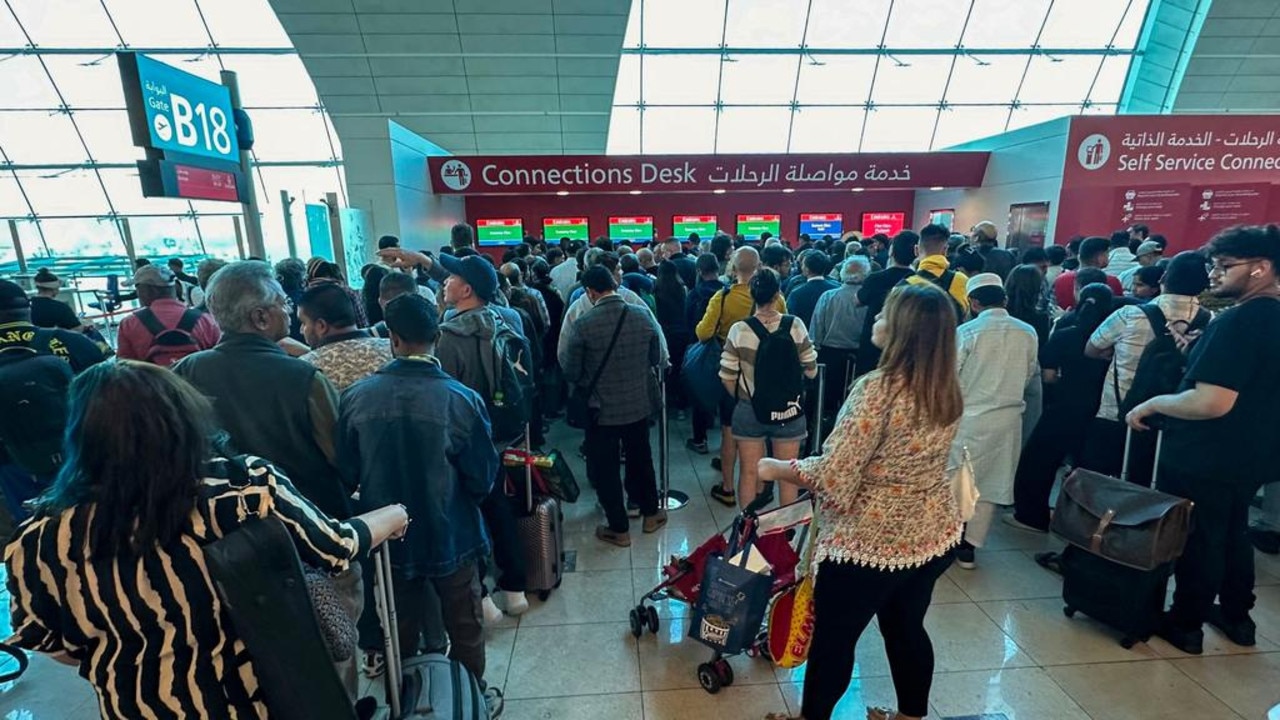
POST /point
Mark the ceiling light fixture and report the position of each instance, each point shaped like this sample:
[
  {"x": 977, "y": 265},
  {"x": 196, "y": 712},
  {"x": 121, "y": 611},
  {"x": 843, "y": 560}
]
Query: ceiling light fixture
[
  {"x": 858, "y": 189},
  {"x": 562, "y": 193},
  {"x": 633, "y": 192},
  {"x": 937, "y": 187},
  {"x": 718, "y": 191},
  {"x": 788, "y": 190}
]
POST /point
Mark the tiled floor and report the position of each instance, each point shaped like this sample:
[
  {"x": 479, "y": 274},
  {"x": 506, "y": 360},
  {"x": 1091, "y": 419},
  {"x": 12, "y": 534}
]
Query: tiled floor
[{"x": 1001, "y": 641}]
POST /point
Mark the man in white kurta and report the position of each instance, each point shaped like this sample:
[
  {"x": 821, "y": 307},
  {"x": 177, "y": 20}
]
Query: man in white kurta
[{"x": 998, "y": 370}]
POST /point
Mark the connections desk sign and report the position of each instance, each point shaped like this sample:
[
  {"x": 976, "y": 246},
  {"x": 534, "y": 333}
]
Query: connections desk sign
[
  {"x": 187, "y": 126},
  {"x": 521, "y": 174}
]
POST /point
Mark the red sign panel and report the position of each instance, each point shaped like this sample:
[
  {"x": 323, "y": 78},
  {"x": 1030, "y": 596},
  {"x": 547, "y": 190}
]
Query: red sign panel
[
  {"x": 203, "y": 184},
  {"x": 631, "y": 220},
  {"x": 821, "y": 217},
  {"x": 1216, "y": 207},
  {"x": 1150, "y": 149},
  {"x": 759, "y": 218},
  {"x": 683, "y": 173},
  {"x": 564, "y": 221},
  {"x": 1156, "y": 206},
  {"x": 889, "y": 223},
  {"x": 499, "y": 222},
  {"x": 691, "y": 219}
]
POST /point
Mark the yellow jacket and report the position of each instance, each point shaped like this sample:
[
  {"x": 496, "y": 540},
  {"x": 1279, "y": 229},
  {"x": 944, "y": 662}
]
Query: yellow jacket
[
  {"x": 737, "y": 306},
  {"x": 936, "y": 265}
]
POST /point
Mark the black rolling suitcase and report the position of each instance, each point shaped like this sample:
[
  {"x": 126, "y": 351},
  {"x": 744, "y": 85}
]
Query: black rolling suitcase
[
  {"x": 1123, "y": 540},
  {"x": 424, "y": 686}
]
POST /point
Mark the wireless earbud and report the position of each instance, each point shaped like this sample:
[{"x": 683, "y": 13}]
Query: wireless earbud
[{"x": 1255, "y": 273}]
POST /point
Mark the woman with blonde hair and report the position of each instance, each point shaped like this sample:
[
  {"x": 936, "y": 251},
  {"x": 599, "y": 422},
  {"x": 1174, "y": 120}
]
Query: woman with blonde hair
[{"x": 887, "y": 518}]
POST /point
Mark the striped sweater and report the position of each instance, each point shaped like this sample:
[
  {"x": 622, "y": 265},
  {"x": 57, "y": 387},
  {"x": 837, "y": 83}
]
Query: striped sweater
[
  {"x": 738, "y": 360},
  {"x": 150, "y": 632}
]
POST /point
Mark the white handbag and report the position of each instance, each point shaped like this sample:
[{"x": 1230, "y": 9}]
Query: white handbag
[{"x": 965, "y": 487}]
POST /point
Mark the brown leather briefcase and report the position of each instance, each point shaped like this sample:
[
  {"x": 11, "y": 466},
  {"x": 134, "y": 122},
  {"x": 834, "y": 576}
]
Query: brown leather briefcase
[{"x": 1122, "y": 522}]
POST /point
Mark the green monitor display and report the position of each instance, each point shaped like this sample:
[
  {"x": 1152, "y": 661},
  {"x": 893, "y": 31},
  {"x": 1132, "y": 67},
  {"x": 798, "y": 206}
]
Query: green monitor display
[
  {"x": 494, "y": 232},
  {"x": 752, "y": 227},
  {"x": 631, "y": 227},
  {"x": 574, "y": 228},
  {"x": 683, "y": 225}
]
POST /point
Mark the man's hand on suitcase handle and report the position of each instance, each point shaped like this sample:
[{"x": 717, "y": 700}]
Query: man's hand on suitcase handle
[{"x": 1144, "y": 417}]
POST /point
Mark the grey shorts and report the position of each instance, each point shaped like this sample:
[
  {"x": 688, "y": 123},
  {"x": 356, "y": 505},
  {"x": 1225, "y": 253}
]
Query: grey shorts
[{"x": 747, "y": 427}]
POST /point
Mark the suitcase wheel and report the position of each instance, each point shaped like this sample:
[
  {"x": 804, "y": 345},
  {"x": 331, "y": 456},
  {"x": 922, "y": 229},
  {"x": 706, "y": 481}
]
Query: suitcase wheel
[
  {"x": 543, "y": 595},
  {"x": 708, "y": 679},
  {"x": 1069, "y": 611},
  {"x": 1127, "y": 642},
  {"x": 724, "y": 671}
]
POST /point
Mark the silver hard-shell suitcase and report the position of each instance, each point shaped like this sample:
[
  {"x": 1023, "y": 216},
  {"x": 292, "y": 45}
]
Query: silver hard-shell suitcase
[{"x": 540, "y": 528}]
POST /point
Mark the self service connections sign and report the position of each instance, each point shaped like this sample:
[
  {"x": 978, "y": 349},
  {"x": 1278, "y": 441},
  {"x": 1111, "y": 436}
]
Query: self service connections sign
[{"x": 175, "y": 111}]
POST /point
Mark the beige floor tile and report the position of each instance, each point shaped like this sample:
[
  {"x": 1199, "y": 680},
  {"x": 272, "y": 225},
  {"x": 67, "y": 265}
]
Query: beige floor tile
[
  {"x": 1019, "y": 693},
  {"x": 1148, "y": 690},
  {"x": 738, "y": 701},
  {"x": 655, "y": 550},
  {"x": 869, "y": 660},
  {"x": 46, "y": 690},
  {"x": 945, "y": 591},
  {"x": 628, "y": 706},
  {"x": 498, "y": 646},
  {"x": 584, "y": 597},
  {"x": 1050, "y": 638},
  {"x": 1005, "y": 575},
  {"x": 862, "y": 693},
  {"x": 669, "y": 661},
  {"x": 573, "y": 660},
  {"x": 1215, "y": 643},
  {"x": 1005, "y": 537},
  {"x": 1266, "y": 613},
  {"x": 594, "y": 554},
  {"x": 1249, "y": 684}
]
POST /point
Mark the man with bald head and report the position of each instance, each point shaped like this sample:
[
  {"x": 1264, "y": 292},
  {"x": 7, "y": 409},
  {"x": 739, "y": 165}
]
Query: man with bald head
[{"x": 723, "y": 310}]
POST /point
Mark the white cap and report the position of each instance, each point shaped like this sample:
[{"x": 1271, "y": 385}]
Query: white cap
[{"x": 982, "y": 280}]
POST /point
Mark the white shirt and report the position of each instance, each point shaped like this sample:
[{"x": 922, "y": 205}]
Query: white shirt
[
  {"x": 1128, "y": 331},
  {"x": 564, "y": 276},
  {"x": 1120, "y": 260}
]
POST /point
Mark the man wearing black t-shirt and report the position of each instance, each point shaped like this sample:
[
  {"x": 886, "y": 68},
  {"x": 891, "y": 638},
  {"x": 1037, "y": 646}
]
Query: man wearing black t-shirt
[
  {"x": 1221, "y": 438},
  {"x": 875, "y": 290}
]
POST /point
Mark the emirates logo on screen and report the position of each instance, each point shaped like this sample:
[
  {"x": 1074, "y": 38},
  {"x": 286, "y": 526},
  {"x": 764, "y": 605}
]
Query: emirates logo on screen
[
  {"x": 1094, "y": 151},
  {"x": 456, "y": 174}
]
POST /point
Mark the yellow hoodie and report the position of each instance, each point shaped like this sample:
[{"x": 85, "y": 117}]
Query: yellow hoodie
[
  {"x": 936, "y": 265},
  {"x": 738, "y": 305}
]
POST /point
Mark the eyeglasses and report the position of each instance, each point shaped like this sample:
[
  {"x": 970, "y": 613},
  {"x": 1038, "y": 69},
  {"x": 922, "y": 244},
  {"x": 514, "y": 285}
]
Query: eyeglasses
[{"x": 1221, "y": 268}]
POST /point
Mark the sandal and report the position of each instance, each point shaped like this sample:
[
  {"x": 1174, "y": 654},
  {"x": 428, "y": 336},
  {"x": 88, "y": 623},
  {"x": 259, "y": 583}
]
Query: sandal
[{"x": 1050, "y": 561}]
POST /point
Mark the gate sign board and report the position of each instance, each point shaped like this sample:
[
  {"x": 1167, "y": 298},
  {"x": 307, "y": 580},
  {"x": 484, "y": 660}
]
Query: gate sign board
[{"x": 175, "y": 111}]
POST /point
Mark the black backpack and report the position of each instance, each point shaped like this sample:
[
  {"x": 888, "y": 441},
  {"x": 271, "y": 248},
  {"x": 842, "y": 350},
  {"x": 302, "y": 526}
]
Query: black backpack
[
  {"x": 169, "y": 345},
  {"x": 777, "y": 399},
  {"x": 509, "y": 398},
  {"x": 33, "y": 405},
  {"x": 1162, "y": 365},
  {"x": 944, "y": 283}
]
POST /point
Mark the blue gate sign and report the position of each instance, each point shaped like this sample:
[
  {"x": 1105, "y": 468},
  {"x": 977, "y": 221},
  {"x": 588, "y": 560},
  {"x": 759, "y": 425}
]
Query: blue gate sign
[{"x": 182, "y": 112}]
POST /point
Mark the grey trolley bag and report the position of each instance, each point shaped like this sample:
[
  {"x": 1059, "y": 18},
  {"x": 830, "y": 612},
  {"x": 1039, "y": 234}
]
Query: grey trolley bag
[
  {"x": 540, "y": 530},
  {"x": 424, "y": 686}
]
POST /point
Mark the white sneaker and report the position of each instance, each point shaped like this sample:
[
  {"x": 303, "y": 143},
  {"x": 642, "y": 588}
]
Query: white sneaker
[
  {"x": 492, "y": 615},
  {"x": 516, "y": 602}
]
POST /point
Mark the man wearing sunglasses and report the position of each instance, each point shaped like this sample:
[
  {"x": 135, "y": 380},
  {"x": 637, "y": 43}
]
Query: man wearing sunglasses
[{"x": 1220, "y": 438}]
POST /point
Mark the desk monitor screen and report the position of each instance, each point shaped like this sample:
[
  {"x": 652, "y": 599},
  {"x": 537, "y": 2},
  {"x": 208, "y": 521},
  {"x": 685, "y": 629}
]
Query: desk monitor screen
[
  {"x": 574, "y": 228},
  {"x": 889, "y": 223},
  {"x": 496, "y": 232},
  {"x": 752, "y": 227},
  {"x": 630, "y": 228},
  {"x": 815, "y": 225},
  {"x": 683, "y": 225}
]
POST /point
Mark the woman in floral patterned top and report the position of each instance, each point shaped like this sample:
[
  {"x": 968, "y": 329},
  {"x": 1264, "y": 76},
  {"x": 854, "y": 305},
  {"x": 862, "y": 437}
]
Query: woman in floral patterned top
[{"x": 886, "y": 516}]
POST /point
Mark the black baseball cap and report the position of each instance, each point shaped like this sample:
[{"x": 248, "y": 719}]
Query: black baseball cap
[{"x": 12, "y": 296}]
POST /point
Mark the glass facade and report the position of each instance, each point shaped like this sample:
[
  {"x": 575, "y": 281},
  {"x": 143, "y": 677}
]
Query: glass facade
[
  {"x": 734, "y": 76},
  {"x": 67, "y": 174}
]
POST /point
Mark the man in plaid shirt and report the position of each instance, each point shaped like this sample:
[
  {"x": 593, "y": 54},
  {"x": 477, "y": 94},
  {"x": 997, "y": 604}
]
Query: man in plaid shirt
[{"x": 622, "y": 400}]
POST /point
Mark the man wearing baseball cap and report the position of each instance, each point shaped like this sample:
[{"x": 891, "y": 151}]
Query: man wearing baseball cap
[
  {"x": 164, "y": 330},
  {"x": 998, "y": 368},
  {"x": 1147, "y": 254},
  {"x": 996, "y": 259},
  {"x": 468, "y": 351}
]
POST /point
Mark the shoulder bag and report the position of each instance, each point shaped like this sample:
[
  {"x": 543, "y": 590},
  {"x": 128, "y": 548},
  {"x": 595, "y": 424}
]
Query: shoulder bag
[{"x": 578, "y": 412}]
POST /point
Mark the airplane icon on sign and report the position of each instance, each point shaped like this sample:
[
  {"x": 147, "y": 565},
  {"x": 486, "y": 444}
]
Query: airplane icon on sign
[{"x": 163, "y": 129}]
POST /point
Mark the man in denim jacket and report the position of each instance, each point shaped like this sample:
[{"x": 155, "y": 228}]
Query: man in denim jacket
[{"x": 411, "y": 434}]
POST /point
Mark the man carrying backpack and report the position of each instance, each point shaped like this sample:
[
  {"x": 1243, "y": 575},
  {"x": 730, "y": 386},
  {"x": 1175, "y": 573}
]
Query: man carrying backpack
[
  {"x": 935, "y": 268},
  {"x": 164, "y": 330},
  {"x": 486, "y": 352},
  {"x": 1146, "y": 345},
  {"x": 1220, "y": 438},
  {"x": 36, "y": 367}
]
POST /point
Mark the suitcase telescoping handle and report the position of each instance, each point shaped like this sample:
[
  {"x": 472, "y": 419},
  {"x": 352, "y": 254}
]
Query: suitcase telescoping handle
[
  {"x": 1128, "y": 445},
  {"x": 384, "y": 597},
  {"x": 528, "y": 469}
]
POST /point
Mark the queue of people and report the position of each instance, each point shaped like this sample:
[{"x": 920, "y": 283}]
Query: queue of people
[{"x": 283, "y": 391}]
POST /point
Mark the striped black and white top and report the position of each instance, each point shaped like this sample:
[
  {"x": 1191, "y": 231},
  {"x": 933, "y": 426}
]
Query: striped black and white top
[{"x": 150, "y": 632}]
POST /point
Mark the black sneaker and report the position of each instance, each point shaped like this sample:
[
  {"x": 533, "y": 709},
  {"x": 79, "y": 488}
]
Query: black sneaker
[
  {"x": 1189, "y": 641},
  {"x": 1266, "y": 541},
  {"x": 726, "y": 497},
  {"x": 1241, "y": 632},
  {"x": 1050, "y": 561},
  {"x": 965, "y": 555},
  {"x": 696, "y": 446},
  {"x": 715, "y": 464}
]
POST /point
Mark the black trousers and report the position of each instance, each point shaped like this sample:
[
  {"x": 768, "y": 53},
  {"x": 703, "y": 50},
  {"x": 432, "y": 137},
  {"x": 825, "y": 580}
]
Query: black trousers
[
  {"x": 1218, "y": 559},
  {"x": 604, "y": 470},
  {"x": 459, "y": 608},
  {"x": 1104, "y": 451},
  {"x": 841, "y": 366},
  {"x": 1059, "y": 433},
  {"x": 845, "y": 599},
  {"x": 500, "y": 517}
]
